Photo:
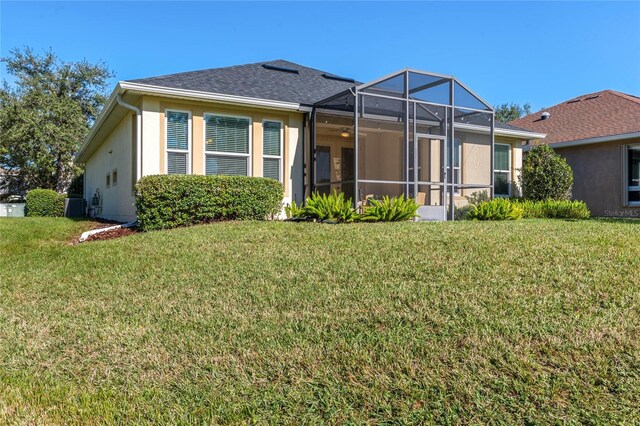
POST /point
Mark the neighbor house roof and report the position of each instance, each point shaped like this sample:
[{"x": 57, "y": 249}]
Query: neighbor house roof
[
  {"x": 594, "y": 117},
  {"x": 277, "y": 80}
]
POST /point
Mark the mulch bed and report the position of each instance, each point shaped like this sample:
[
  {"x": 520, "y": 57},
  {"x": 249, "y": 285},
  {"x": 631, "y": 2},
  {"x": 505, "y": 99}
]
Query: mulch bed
[{"x": 114, "y": 233}]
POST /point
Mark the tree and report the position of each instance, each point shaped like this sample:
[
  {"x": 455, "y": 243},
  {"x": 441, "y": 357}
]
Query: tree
[
  {"x": 44, "y": 118},
  {"x": 545, "y": 175},
  {"x": 510, "y": 112}
]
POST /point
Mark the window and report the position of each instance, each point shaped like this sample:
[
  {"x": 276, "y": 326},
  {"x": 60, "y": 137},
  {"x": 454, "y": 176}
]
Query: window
[
  {"x": 272, "y": 150},
  {"x": 323, "y": 169},
  {"x": 502, "y": 170},
  {"x": 108, "y": 180},
  {"x": 632, "y": 178},
  {"x": 114, "y": 177},
  {"x": 227, "y": 144},
  {"x": 178, "y": 131},
  {"x": 457, "y": 173}
]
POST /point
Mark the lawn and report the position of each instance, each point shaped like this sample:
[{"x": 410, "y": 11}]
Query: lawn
[{"x": 515, "y": 322}]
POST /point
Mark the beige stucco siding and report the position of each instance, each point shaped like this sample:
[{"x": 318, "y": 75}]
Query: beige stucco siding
[
  {"x": 476, "y": 160},
  {"x": 151, "y": 134},
  {"x": 154, "y": 138},
  {"x": 598, "y": 177},
  {"x": 114, "y": 154}
]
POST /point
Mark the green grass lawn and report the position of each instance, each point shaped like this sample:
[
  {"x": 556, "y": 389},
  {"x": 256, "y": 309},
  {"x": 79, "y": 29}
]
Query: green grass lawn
[{"x": 516, "y": 322}]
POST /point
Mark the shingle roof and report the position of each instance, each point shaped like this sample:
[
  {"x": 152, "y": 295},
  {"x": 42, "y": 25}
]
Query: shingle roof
[
  {"x": 588, "y": 116},
  {"x": 307, "y": 86}
]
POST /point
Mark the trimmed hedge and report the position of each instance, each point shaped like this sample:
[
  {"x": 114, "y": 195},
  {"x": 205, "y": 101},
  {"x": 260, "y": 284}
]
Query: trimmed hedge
[
  {"x": 554, "y": 209},
  {"x": 44, "y": 202},
  {"x": 170, "y": 201}
]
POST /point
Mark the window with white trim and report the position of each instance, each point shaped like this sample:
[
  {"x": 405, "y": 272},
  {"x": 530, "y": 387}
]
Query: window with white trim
[
  {"x": 272, "y": 149},
  {"x": 457, "y": 171},
  {"x": 502, "y": 170},
  {"x": 227, "y": 145},
  {"x": 178, "y": 142},
  {"x": 632, "y": 178}
]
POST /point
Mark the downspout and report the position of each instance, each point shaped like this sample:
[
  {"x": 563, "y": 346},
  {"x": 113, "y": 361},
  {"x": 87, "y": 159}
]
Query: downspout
[
  {"x": 304, "y": 158},
  {"x": 138, "y": 134}
]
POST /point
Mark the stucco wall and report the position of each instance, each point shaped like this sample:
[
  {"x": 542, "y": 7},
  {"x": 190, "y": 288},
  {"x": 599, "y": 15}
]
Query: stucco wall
[
  {"x": 597, "y": 175},
  {"x": 153, "y": 136},
  {"x": 115, "y": 153}
]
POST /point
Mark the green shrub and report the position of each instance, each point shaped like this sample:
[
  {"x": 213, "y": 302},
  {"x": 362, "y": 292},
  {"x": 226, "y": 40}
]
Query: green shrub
[
  {"x": 545, "y": 175},
  {"x": 44, "y": 202},
  {"x": 496, "y": 209},
  {"x": 169, "y": 201},
  {"x": 332, "y": 208},
  {"x": 554, "y": 209},
  {"x": 390, "y": 209},
  {"x": 462, "y": 213},
  {"x": 293, "y": 211}
]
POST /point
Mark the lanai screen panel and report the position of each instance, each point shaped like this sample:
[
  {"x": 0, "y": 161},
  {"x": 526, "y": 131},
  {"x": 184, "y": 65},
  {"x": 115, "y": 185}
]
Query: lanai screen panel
[
  {"x": 334, "y": 149},
  {"x": 419, "y": 134},
  {"x": 382, "y": 146}
]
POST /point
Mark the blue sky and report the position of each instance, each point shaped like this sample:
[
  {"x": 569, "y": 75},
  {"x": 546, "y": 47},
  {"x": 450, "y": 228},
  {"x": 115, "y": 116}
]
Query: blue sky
[{"x": 537, "y": 52}]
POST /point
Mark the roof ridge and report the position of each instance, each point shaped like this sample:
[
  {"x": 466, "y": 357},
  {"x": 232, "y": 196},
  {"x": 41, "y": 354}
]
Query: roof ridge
[{"x": 627, "y": 96}]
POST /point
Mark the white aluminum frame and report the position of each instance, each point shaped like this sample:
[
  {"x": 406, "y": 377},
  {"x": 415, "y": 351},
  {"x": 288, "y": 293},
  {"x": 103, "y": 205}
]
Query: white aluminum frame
[
  {"x": 502, "y": 171},
  {"x": 281, "y": 156},
  {"x": 457, "y": 170},
  {"x": 450, "y": 188},
  {"x": 629, "y": 188},
  {"x": 226, "y": 154},
  {"x": 167, "y": 150}
]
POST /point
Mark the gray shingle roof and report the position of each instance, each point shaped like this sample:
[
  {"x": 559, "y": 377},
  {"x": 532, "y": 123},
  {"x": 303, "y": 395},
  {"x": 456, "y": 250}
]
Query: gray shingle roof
[
  {"x": 501, "y": 125},
  {"x": 306, "y": 87}
]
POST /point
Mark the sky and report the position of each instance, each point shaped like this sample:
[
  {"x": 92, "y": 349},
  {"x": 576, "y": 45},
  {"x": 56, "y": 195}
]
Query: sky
[{"x": 537, "y": 52}]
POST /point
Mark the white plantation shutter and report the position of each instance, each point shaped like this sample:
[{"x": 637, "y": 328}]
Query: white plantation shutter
[
  {"x": 271, "y": 168},
  {"x": 177, "y": 142},
  {"x": 176, "y": 163},
  {"x": 227, "y": 145},
  {"x": 227, "y": 134},
  {"x": 271, "y": 149},
  {"x": 225, "y": 165},
  {"x": 177, "y": 130},
  {"x": 271, "y": 138}
]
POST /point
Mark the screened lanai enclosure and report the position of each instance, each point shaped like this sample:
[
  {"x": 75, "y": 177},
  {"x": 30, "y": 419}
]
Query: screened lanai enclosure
[{"x": 423, "y": 135}]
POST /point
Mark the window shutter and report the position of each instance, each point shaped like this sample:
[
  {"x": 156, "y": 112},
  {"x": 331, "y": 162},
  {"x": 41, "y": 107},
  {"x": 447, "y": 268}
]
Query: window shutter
[
  {"x": 271, "y": 168},
  {"x": 225, "y": 165},
  {"x": 176, "y": 163},
  {"x": 177, "y": 130},
  {"x": 271, "y": 138},
  {"x": 227, "y": 134}
]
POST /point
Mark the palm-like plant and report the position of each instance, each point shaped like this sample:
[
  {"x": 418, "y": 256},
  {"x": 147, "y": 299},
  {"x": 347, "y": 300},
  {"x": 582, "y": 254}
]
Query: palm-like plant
[
  {"x": 333, "y": 207},
  {"x": 390, "y": 209}
]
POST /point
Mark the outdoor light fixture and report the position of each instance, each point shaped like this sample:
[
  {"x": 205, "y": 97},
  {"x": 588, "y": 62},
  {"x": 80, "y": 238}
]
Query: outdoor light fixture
[{"x": 344, "y": 133}]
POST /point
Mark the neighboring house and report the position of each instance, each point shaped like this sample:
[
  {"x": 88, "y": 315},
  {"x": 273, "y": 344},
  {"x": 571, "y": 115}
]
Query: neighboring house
[
  {"x": 309, "y": 129},
  {"x": 599, "y": 135}
]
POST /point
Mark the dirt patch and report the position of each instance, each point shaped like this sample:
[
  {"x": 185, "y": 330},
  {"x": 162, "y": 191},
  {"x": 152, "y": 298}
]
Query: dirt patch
[{"x": 114, "y": 233}]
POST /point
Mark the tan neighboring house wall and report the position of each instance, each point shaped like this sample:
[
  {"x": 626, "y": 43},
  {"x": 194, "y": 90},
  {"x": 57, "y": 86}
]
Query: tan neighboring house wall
[{"x": 598, "y": 174}]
